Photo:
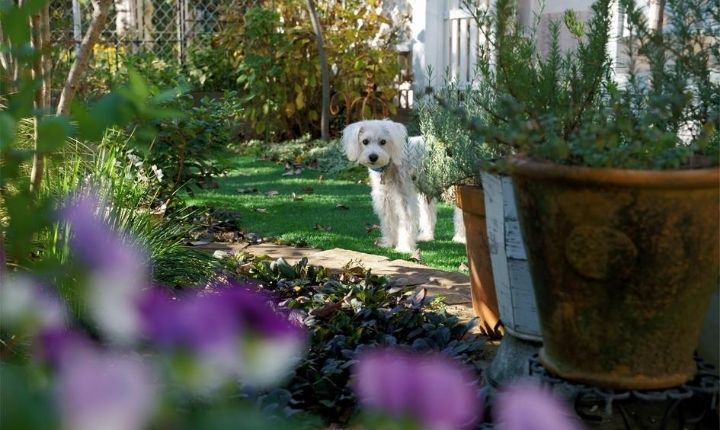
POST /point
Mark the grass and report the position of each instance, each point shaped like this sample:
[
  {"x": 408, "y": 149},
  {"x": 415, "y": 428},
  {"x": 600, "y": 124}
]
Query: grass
[{"x": 316, "y": 221}]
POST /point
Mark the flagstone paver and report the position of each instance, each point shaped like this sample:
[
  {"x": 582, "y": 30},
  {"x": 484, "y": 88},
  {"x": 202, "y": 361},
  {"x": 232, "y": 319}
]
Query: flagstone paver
[{"x": 455, "y": 287}]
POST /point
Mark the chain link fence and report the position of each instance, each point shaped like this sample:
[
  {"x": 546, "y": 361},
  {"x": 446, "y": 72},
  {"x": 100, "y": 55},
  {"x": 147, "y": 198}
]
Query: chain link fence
[{"x": 164, "y": 28}]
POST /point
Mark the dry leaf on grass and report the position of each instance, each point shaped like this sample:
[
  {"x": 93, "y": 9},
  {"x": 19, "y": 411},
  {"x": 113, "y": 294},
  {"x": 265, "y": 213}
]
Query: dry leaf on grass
[
  {"x": 297, "y": 198},
  {"x": 272, "y": 193},
  {"x": 342, "y": 206},
  {"x": 372, "y": 227},
  {"x": 261, "y": 210},
  {"x": 416, "y": 256}
]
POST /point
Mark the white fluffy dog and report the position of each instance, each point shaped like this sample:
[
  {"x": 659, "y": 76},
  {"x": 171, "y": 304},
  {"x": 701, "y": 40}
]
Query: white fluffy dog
[{"x": 406, "y": 215}]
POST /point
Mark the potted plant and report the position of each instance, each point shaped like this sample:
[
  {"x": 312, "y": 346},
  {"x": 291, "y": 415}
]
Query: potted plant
[
  {"x": 450, "y": 171},
  {"x": 617, "y": 186},
  {"x": 501, "y": 288}
]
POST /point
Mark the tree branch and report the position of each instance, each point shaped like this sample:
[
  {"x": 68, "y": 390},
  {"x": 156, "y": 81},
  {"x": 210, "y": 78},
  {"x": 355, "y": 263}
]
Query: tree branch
[
  {"x": 100, "y": 13},
  {"x": 324, "y": 71}
]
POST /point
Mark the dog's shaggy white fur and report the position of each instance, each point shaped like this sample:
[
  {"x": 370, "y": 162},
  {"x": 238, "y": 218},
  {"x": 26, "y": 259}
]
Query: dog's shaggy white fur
[{"x": 406, "y": 215}]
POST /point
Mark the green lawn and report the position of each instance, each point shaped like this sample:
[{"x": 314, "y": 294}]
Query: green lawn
[{"x": 313, "y": 219}]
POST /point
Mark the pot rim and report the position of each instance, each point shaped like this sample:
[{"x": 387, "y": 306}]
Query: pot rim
[{"x": 675, "y": 178}]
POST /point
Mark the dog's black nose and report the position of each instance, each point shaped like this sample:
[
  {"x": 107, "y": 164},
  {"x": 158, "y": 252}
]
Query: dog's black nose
[{"x": 373, "y": 158}]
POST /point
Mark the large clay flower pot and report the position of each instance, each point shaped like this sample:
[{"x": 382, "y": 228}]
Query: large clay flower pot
[
  {"x": 624, "y": 263},
  {"x": 471, "y": 201}
]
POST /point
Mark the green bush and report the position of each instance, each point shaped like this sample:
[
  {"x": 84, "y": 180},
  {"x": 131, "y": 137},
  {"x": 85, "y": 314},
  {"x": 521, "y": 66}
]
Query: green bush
[
  {"x": 275, "y": 61},
  {"x": 188, "y": 150},
  {"x": 568, "y": 108},
  {"x": 454, "y": 156},
  {"x": 115, "y": 173}
]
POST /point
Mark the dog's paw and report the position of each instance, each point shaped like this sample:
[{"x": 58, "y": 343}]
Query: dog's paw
[
  {"x": 426, "y": 237},
  {"x": 405, "y": 248},
  {"x": 384, "y": 242},
  {"x": 459, "y": 238}
]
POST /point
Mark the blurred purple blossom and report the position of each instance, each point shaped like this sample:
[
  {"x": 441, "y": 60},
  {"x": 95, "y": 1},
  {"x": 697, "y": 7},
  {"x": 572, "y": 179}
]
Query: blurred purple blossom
[
  {"x": 55, "y": 344},
  {"x": 94, "y": 241},
  {"x": 118, "y": 270},
  {"x": 232, "y": 329},
  {"x": 100, "y": 390},
  {"x": 434, "y": 389},
  {"x": 528, "y": 406},
  {"x": 25, "y": 305}
]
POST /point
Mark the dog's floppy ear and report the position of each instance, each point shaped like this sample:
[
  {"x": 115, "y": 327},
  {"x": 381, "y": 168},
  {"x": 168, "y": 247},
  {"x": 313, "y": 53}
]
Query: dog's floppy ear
[
  {"x": 398, "y": 133},
  {"x": 350, "y": 137}
]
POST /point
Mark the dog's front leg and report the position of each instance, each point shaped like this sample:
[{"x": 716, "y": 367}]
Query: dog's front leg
[
  {"x": 385, "y": 210},
  {"x": 428, "y": 217},
  {"x": 407, "y": 218}
]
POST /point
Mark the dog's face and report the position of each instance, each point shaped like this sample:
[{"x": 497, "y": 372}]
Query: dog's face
[{"x": 375, "y": 144}]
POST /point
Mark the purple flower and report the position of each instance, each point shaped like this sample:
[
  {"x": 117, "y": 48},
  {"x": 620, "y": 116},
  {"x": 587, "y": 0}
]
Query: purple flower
[
  {"x": 434, "y": 389},
  {"x": 232, "y": 331},
  {"x": 118, "y": 271},
  {"x": 56, "y": 344},
  {"x": 98, "y": 390},
  {"x": 24, "y": 305},
  {"x": 528, "y": 406},
  {"x": 94, "y": 241}
]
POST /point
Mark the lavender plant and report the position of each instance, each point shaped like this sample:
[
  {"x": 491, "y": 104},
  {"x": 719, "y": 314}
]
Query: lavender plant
[{"x": 570, "y": 108}]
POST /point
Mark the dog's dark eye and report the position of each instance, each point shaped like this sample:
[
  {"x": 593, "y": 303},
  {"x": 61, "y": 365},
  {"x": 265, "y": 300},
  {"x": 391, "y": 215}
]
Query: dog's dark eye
[
  {"x": 382, "y": 142},
  {"x": 365, "y": 141}
]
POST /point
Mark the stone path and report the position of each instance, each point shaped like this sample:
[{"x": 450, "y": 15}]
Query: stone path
[{"x": 455, "y": 287}]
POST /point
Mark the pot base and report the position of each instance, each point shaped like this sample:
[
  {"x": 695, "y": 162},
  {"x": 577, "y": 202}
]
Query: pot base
[
  {"x": 615, "y": 380},
  {"x": 511, "y": 360}
]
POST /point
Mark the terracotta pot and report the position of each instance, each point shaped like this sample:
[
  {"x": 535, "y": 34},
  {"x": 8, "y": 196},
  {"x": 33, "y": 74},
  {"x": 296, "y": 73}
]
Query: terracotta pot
[
  {"x": 624, "y": 263},
  {"x": 472, "y": 202}
]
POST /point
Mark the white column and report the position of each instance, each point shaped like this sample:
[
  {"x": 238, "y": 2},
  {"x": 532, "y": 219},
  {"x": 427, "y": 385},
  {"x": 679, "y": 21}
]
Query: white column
[{"x": 428, "y": 49}]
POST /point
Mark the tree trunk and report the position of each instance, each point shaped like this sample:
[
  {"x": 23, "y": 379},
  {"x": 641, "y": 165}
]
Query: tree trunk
[
  {"x": 325, "y": 72},
  {"x": 7, "y": 64},
  {"x": 40, "y": 45},
  {"x": 100, "y": 13}
]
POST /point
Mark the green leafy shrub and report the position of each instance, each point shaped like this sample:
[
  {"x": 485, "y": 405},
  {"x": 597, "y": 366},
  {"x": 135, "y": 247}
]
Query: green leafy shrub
[
  {"x": 188, "y": 150},
  {"x": 454, "y": 156},
  {"x": 275, "y": 60},
  {"x": 568, "y": 108},
  {"x": 110, "y": 68},
  {"x": 114, "y": 172}
]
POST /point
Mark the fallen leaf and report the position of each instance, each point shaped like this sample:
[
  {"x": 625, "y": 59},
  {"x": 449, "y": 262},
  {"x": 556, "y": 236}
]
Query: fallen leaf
[
  {"x": 326, "y": 310},
  {"x": 416, "y": 256},
  {"x": 417, "y": 299},
  {"x": 341, "y": 206},
  {"x": 463, "y": 267},
  {"x": 321, "y": 178},
  {"x": 261, "y": 210},
  {"x": 297, "y": 198},
  {"x": 371, "y": 227},
  {"x": 272, "y": 193},
  {"x": 247, "y": 190}
]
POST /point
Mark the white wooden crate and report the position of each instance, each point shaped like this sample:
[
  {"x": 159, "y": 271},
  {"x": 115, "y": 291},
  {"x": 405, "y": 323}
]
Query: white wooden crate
[{"x": 513, "y": 284}]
